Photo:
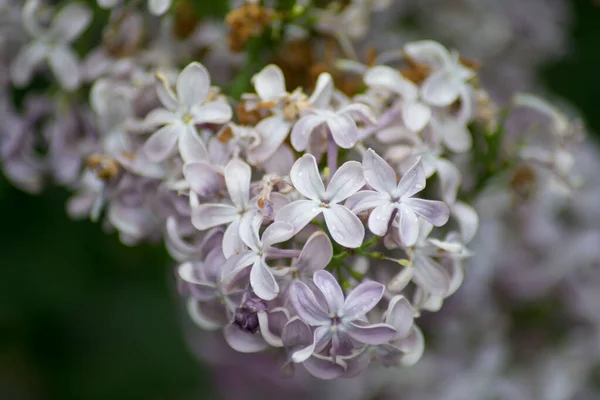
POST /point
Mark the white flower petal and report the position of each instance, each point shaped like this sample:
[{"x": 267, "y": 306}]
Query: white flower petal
[
  {"x": 346, "y": 181},
  {"x": 207, "y": 216},
  {"x": 468, "y": 220},
  {"x": 416, "y": 115},
  {"x": 332, "y": 292},
  {"x": 65, "y": 66},
  {"x": 441, "y": 89},
  {"x": 27, "y": 59},
  {"x": 70, "y": 22},
  {"x": 343, "y": 130},
  {"x": 237, "y": 177},
  {"x": 323, "y": 92},
  {"x": 273, "y": 131},
  {"x": 345, "y": 227},
  {"x": 215, "y": 112},
  {"x": 298, "y": 213},
  {"x": 379, "y": 220},
  {"x": 412, "y": 182},
  {"x": 203, "y": 178},
  {"x": 158, "y": 7},
  {"x": 162, "y": 143},
  {"x": 436, "y": 212},
  {"x": 378, "y": 173},
  {"x": 408, "y": 225},
  {"x": 244, "y": 342},
  {"x": 306, "y": 178},
  {"x": 269, "y": 83},
  {"x": 193, "y": 84},
  {"x": 277, "y": 232},
  {"x": 302, "y": 130},
  {"x": 191, "y": 147},
  {"x": 262, "y": 281},
  {"x": 316, "y": 254}
]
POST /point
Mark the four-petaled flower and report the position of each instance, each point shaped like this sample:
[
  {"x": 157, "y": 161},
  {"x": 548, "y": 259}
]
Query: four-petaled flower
[
  {"x": 390, "y": 196},
  {"x": 345, "y": 227},
  {"x": 338, "y": 321},
  {"x": 182, "y": 111}
]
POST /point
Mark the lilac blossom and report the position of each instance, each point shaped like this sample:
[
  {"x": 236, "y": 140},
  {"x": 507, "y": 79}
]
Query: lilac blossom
[
  {"x": 182, "y": 110},
  {"x": 345, "y": 227},
  {"x": 338, "y": 322},
  {"x": 393, "y": 201}
]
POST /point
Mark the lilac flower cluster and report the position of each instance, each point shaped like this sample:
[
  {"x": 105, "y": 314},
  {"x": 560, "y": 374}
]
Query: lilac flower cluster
[{"x": 313, "y": 222}]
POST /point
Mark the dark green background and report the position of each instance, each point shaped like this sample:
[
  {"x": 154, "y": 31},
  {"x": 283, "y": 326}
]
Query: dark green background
[{"x": 84, "y": 317}]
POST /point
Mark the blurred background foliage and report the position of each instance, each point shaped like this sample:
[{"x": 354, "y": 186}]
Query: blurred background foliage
[{"x": 84, "y": 317}]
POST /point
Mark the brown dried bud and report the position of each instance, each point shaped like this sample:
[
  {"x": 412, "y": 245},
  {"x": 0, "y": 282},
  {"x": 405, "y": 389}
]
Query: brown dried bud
[
  {"x": 246, "y": 22},
  {"x": 106, "y": 168}
]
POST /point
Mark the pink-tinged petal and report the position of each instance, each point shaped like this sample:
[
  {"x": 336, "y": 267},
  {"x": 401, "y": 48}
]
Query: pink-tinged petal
[
  {"x": 347, "y": 180},
  {"x": 273, "y": 131},
  {"x": 306, "y": 178},
  {"x": 441, "y": 88},
  {"x": 323, "y": 367},
  {"x": 201, "y": 318},
  {"x": 269, "y": 83},
  {"x": 70, "y": 22},
  {"x": 193, "y": 84},
  {"x": 436, "y": 212},
  {"x": 65, "y": 66},
  {"x": 345, "y": 227},
  {"x": 262, "y": 281},
  {"x": 467, "y": 219},
  {"x": 159, "y": 117},
  {"x": 371, "y": 334},
  {"x": 362, "y": 299},
  {"x": 408, "y": 225},
  {"x": 366, "y": 200},
  {"x": 191, "y": 147},
  {"x": 332, "y": 292},
  {"x": 215, "y": 112},
  {"x": 299, "y": 213},
  {"x": 400, "y": 315},
  {"x": 378, "y": 173},
  {"x": 232, "y": 242},
  {"x": 323, "y": 92},
  {"x": 277, "y": 232},
  {"x": 28, "y": 58},
  {"x": 316, "y": 254},
  {"x": 343, "y": 130},
  {"x": 302, "y": 130},
  {"x": 244, "y": 342},
  {"x": 162, "y": 143},
  {"x": 412, "y": 182},
  {"x": 431, "y": 276},
  {"x": 207, "y": 216},
  {"x": 416, "y": 115},
  {"x": 449, "y": 179},
  {"x": 237, "y": 178},
  {"x": 379, "y": 220},
  {"x": 307, "y": 306},
  {"x": 203, "y": 178}
]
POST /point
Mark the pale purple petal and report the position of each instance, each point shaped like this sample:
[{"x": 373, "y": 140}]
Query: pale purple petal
[
  {"x": 436, "y": 212},
  {"x": 191, "y": 146},
  {"x": 70, "y": 22},
  {"x": 366, "y": 200},
  {"x": 400, "y": 315},
  {"x": 378, "y": 173},
  {"x": 359, "y": 112},
  {"x": 65, "y": 66},
  {"x": 277, "y": 232},
  {"x": 347, "y": 180},
  {"x": 244, "y": 342},
  {"x": 273, "y": 131},
  {"x": 232, "y": 242},
  {"x": 163, "y": 142},
  {"x": 323, "y": 92},
  {"x": 263, "y": 320},
  {"x": 269, "y": 83},
  {"x": 323, "y": 367},
  {"x": 207, "y": 216},
  {"x": 307, "y": 306},
  {"x": 299, "y": 213},
  {"x": 344, "y": 130},
  {"x": 320, "y": 338},
  {"x": 193, "y": 84},
  {"x": 371, "y": 334},
  {"x": 379, "y": 220},
  {"x": 262, "y": 281},
  {"x": 25, "y": 62},
  {"x": 296, "y": 334},
  {"x": 306, "y": 179},
  {"x": 249, "y": 230},
  {"x": 332, "y": 292},
  {"x": 159, "y": 117},
  {"x": 302, "y": 130},
  {"x": 362, "y": 299},
  {"x": 280, "y": 162},
  {"x": 237, "y": 178},
  {"x": 316, "y": 254},
  {"x": 201, "y": 318},
  {"x": 412, "y": 182},
  {"x": 408, "y": 225},
  {"x": 441, "y": 89},
  {"x": 413, "y": 345},
  {"x": 431, "y": 276},
  {"x": 416, "y": 115},
  {"x": 203, "y": 178},
  {"x": 345, "y": 227},
  {"x": 215, "y": 112}
]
